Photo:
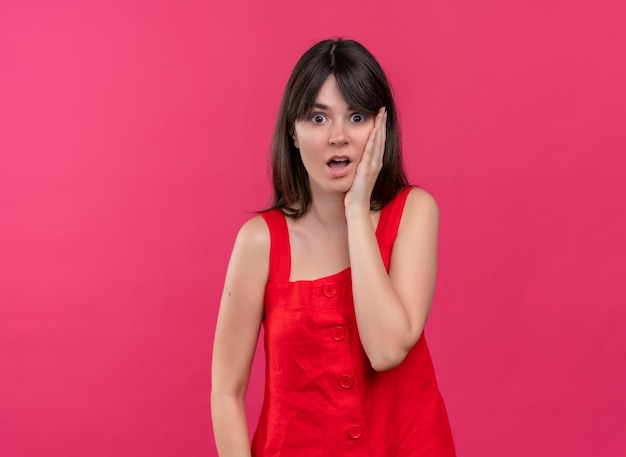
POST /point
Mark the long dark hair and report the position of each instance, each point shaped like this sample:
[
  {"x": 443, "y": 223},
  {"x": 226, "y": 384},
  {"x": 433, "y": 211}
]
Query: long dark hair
[{"x": 365, "y": 88}]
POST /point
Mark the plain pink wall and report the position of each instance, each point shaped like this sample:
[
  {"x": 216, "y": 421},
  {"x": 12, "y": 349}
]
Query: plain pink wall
[{"x": 133, "y": 144}]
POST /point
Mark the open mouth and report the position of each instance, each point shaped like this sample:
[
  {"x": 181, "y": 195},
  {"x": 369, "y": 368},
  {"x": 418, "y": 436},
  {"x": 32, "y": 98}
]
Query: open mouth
[{"x": 338, "y": 163}]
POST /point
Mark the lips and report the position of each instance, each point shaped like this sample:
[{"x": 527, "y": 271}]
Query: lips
[
  {"x": 338, "y": 165},
  {"x": 338, "y": 162}
]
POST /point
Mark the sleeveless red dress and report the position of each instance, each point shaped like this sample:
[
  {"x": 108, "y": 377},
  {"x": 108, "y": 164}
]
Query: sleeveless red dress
[{"x": 322, "y": 397}]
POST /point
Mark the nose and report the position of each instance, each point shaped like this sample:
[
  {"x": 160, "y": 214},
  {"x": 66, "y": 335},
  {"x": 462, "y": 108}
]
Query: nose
[{"x": 337, "y": 135}]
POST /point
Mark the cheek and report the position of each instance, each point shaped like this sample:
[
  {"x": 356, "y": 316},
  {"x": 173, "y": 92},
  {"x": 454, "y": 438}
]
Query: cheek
[
  {"x": 361, "y": 140},
  {"x": 309, "y": 144}
]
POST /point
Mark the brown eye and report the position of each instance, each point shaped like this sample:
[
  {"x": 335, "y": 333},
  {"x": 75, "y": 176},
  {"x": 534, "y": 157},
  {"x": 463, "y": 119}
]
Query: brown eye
[
  {"x": 357, "y": 118},
  {"x": 318, "y": 118}
]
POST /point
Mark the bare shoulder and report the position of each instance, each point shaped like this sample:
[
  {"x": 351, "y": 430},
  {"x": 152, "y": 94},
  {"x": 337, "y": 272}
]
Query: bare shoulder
[
  {"x": 420, "y": 209},
  {"x": 250, "y": 258},
  {"x": 248, "y": 268},
  {"x": 254, "y": 237}
]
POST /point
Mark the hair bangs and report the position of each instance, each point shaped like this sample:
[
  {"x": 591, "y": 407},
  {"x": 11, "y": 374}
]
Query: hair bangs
[
  {"x": 305, "y": 93},
  {"x": 357, "y": 91}
]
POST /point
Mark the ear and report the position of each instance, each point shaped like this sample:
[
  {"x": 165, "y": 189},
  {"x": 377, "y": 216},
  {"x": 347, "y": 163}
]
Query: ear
[{"x": 295, "y": 139}]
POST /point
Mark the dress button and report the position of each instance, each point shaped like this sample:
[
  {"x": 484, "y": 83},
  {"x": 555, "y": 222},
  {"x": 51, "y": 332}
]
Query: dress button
[
  {"x": 337, "y": 333},
  {"x": 355, "y": 432},
  {"x": 329, "y": 290},
  {"x": 346, "y": 381}
]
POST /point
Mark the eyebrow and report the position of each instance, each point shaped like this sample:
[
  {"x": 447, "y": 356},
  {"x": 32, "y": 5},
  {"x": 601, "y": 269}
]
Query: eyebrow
[{"x": 326, "y": 107}]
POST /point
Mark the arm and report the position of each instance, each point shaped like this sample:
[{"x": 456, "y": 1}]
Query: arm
[
  {"x": 391, "y": 309},
  {"x": 236, "y": 335}
]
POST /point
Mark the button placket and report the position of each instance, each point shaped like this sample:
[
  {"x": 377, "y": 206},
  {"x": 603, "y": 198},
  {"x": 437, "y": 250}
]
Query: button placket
[{"x": 345, "y": 381}]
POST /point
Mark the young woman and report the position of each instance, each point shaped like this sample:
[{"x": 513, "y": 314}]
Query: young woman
[{"x": 341, "y": 274}]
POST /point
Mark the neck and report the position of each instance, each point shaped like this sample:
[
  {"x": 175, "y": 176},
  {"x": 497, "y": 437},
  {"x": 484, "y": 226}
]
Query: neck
[{"x": 328, "y": 210}]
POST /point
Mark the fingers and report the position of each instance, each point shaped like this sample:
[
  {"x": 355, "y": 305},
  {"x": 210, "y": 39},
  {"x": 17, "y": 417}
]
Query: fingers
[
  {"x": 373, "y": 153},
  {"x": 382, "y": 124},
  {"x": 379, "y": 138},
  {"x": 370, "y": 164}
]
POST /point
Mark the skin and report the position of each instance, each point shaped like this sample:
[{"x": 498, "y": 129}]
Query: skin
[{"x": 338, "y": 231}]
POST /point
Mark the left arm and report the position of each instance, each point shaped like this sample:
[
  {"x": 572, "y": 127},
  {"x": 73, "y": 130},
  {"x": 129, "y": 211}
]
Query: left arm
[{"x": 391, "y": 309}]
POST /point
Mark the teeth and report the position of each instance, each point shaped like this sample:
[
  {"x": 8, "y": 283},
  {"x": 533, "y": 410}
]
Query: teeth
[{"x": 339, "y": 160}]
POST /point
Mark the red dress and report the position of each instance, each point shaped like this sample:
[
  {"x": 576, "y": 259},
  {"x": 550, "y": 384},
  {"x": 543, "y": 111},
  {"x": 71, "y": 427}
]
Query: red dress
[{"x": 322, "y": 397}]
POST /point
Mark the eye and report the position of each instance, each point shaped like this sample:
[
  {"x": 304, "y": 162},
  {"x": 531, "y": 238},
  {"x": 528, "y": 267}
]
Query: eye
[
  {"x": 318, "y": 118},
  {"x": 357, "y": 118}
]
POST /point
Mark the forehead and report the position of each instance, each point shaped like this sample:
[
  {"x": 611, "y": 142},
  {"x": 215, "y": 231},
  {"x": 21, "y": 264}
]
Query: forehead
[{"x": 330, "y": 95}]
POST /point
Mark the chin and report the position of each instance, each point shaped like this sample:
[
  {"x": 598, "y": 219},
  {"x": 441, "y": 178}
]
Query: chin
[
  {"x": 341, "y": 187},
  {"x": 335, "y": 185}
]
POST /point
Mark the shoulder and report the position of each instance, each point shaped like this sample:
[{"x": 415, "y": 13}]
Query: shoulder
[
  {"x": 420, "y": 200},
  {"x": 420, "y": 209},
  {"x": 253, "y": 238}
]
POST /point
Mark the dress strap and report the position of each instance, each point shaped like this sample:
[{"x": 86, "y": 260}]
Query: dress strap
[
  {"x": 388, "y": 224},
  {"x": 280, "y": 249}
]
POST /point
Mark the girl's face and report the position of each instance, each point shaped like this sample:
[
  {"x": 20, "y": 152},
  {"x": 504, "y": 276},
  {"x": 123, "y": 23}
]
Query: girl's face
[{"x": 331, "y": 140}]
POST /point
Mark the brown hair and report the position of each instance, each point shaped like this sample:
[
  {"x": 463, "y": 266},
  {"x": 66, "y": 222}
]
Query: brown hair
[{"x": 365, "y": 88}]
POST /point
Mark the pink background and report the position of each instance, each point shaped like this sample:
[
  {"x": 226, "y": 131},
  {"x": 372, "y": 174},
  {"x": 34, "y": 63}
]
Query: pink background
[{"x": 133, "y": 141}]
